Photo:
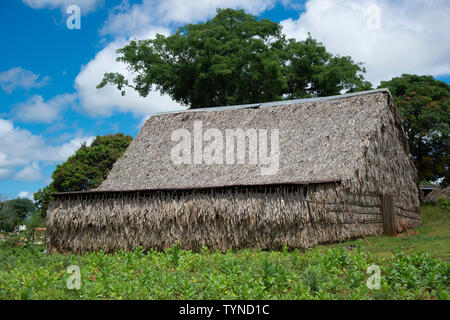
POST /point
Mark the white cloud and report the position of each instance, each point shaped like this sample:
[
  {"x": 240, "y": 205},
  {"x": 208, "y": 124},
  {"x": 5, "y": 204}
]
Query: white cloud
[
  {"x": 195, "y": 10},
  {"x": 20, "y": 149},
  {"x": 67, "y": 149},
  {"x": 413, "y": 36},
  {"x": 108, "y": 99},
  {"x": 5, "y": 173},
  {"x": 35, "y": 109},
  {"x": 26, "y": 194},
  {"x": 85, "y": 5},
  {"x": 29, "y": 173},
  {"x": 20, "y": 78},
  {"x": 128, "y": 19}
]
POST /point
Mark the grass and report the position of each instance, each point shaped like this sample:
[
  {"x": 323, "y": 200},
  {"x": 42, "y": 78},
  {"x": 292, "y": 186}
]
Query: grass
[
  {"x": 433, "y": 237},
  {"x": 412, "y": 267}
]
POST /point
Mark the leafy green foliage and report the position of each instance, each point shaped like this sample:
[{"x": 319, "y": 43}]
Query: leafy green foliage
[
  {"x": 244, "y": 274},
  {"x": 89, "y": 166},
  {"x": 234, "y": 58},
  {"x": 418, "y": 271},
  {"x": 86, "y": 169},
  {"x": 312, "y": 71},
  {"x": 14, "y": 212},
  {"x": 34, "y": 221},
  {"x": 444, "y": 203},
  {"x": 174, "y": 255},
  {"x": 42, "y": 198},
  {"x": 424, "y": 106},
  {"x": 268, "y": 274},
  {"x": 323, "y": 272}
]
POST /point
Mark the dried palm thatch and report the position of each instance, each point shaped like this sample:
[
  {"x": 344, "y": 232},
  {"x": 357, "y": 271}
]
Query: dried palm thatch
[
  {"x": 440, "y": 192},
  {"x": 149, "y": 201}
]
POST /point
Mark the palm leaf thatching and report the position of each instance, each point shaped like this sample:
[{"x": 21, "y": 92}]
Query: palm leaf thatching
[{"x": 338, "y": 156}]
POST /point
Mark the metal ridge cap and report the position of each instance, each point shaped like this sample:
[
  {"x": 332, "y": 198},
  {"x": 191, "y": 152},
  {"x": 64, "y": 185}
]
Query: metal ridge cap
[{"x": 278, "y": 103}]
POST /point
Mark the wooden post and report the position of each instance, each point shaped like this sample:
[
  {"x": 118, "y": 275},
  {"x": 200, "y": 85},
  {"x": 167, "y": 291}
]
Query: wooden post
[{"x": 388, "y": 214}]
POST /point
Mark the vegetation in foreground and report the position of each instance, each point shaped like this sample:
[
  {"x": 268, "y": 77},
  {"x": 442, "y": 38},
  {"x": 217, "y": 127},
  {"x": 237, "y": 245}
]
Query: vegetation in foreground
[
  {"x": 433, "y": 237},
  {"x": 413, "y": 266}
]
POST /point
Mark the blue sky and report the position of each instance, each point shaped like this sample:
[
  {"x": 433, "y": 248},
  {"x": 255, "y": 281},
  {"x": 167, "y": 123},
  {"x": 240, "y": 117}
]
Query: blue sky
[{"x": 48, "y": 73}]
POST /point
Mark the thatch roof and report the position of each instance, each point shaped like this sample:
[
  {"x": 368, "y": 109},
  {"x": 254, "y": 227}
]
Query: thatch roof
[
  {"x": 439, "y": 192},
  {"x": 322, "y": 139}
]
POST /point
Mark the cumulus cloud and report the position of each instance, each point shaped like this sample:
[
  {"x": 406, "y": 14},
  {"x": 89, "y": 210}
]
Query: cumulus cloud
[
  {"x": 85, "y": 5},
  {"x": 108, "y": 99},
  {"x": 29, "y": 173},
  {"x": 67, "y": 149},
  {"x": 391, "y": 37},
  {"x": 5, "y": 173},
  {"x": 20, "y": 149},
  {"x": 127, "y": 19},
  {"x": 25, "y": 194},
  {"x": 35, "y": 109},
  {"x": 143, "y": 21},
  {"x": 20, "y": 78}
]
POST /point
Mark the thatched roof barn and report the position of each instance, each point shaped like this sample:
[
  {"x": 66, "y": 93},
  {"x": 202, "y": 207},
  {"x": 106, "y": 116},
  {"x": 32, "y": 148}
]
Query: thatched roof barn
[{"x": 313, "y": 171}]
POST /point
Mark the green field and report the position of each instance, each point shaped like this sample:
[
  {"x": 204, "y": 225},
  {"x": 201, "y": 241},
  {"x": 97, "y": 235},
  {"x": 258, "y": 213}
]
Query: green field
[
  {"x": 433, "y": 237},
  {"x": 413, "y": 266}
]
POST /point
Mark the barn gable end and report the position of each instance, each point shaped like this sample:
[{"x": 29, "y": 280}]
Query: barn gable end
[{"x": 389, "y": 168}]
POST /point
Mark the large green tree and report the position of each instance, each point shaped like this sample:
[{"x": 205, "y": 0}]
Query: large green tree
[
  {"x": 424, "y": 106},
  {"x": 234, "y": 58},
  {"x": 86, "y": 169},
  {"x": 14, "y": 212}
]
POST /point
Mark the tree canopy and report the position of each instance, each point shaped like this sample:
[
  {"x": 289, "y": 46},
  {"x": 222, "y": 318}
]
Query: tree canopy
[
  {"x": 14, "y": 212},
  {"x": 234, "y": 58},
  {"x": 86, "y": 169},
  {"x": 424, "y": 106}
]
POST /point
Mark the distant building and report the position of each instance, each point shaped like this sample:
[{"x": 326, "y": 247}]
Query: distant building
[{"x": 426, "y": 189}]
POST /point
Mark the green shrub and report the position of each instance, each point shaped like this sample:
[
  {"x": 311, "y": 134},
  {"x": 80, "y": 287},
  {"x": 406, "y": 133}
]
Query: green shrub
[{"x": 444, "y": 203}]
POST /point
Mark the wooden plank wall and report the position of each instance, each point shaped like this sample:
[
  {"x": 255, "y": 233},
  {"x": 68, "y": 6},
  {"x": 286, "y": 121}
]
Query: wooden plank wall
[{"x": 388, "y": 214}]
